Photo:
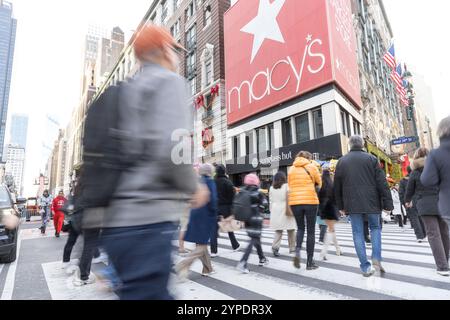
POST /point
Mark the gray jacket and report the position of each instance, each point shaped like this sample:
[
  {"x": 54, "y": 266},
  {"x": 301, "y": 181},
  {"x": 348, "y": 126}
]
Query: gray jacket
[{"x": 153, "y": 189}]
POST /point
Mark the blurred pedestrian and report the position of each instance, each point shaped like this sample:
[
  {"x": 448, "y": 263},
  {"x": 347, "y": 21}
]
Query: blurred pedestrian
[
  {"x": 411, "y": 212},
  {"x": 322, "y": 230},
  {"x": 45, "y": 204},
  {"x": 154, "y": 186},
  {"x": 225, "y": 194},
  {"x": 437, "y": 169},
  {"x": 397, "y": 212},
  {"x": 329, "y": 213},
  {"x": 361, "y": 189},
  {"x": 427, "y": 205},
  {"x": 58, "y": 217},
  {"x": 201, "y": 227},
  {"x": 254, "y": 224},
  {"x": 304, "y": 182},
  {"x": 281, "y": 216}
]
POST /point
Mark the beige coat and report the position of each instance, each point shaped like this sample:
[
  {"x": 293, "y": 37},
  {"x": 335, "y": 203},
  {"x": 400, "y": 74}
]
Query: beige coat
[{"x": 278, "y": 218}]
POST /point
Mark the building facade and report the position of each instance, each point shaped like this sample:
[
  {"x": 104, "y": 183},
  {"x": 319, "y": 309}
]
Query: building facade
[
  {"x": 8, "y": 26},
  {"x": 382, "y": 113},
  {"x": 15, "y": 164},
  {"x": 19, "y": 130}
]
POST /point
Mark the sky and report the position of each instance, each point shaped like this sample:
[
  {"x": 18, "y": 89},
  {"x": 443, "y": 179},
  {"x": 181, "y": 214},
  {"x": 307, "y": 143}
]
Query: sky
[{"x": 49, "y": 51}]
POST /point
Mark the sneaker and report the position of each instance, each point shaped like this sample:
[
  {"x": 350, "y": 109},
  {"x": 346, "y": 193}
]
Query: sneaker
[
  {"x": 242, "y": 267},
  {"x": 57, "y": 235},
  {"x": 214, "y": 255},
  {"x": 64, "y": 265},
  {"x": 263, "y": 262},
  {"x": 102, "y": 258},
  {"x": 209, "y": 274},
  {"x": 238, "y": 249},
  {"x": 378, "y": 267},
  {"x": 79, "y": 283},
  {"x": 419, "y": 240},
  {"x": 443, "y": 273},
  {"x": 370, "y": 272},
  {"x": 321, "y": 243}
]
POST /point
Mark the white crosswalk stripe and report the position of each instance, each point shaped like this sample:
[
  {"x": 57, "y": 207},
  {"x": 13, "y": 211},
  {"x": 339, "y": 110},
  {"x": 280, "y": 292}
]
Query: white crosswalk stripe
[{"x": 411, "y": 272}]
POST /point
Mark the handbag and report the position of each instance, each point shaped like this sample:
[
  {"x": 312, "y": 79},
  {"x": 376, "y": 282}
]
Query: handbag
[
  {"x": 66, "y": 226},
  {"x": 229, "y": 224}
]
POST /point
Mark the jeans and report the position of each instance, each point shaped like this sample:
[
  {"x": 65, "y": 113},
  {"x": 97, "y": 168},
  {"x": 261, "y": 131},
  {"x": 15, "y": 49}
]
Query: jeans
[
  {"x": 438, "y": 237},
  {"x": 358, "y": 238},
  {"x": 234, "y": 242},
  {"x": 255, "y": 241},
  {"x": 142, "y": 258},
  {"x": 308, "y": 213},
  {"x": 447, "y": 219},
  {"x": 416, "y": 223},
  {"x": 45, "y": 218}
]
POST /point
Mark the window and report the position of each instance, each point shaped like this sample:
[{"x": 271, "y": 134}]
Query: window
[
  {"x": 261, "y": 139},
  {"x": 209, "y": 73},
  {"x": 164, "y": 11},
  {"x": 356, "y": 128},
  {"x": 207, "y": 16},
  {"x": 190, "y": 65},
  {"x": 175, "y": 29},
  {"x": 191, "y": 38},
  {"x": 193, "y": 86},
  {"x": 236, "y": 147},
  {"x": 249, "y": 143},
  {"x": 190, "y": 10},
  {"x": 345, "y": 119},
  {"x": 287, "y": 132},
  {"x": 302, "y": 128},
  {"x": 271, "y": 137},
  {"x": 318, "y": 123},
  {"x": 176, "y": 4}
]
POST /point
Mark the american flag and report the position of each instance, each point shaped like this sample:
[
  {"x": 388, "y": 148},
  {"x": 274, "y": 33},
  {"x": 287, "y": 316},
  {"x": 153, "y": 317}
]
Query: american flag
[
  {"x": 397, "y": 78},
  {"x": 404, "y": 101},
  {"x": 401, "y": 91},
  {"x": 389, "y": 57}
]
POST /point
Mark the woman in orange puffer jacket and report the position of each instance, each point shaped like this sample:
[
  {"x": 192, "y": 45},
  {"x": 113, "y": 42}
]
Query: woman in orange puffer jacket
[{"x": 304, "y": 179}]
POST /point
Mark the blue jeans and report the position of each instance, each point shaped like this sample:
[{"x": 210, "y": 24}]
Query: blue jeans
[
  {"x": 359, "y": 241},
  {"x": 142, "y": 258}
]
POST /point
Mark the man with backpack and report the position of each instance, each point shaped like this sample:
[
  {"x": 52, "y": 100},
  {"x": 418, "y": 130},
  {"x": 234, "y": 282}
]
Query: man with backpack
[
  {"x": 247, "y": 207},
  {"x": 154, "y": 187}
]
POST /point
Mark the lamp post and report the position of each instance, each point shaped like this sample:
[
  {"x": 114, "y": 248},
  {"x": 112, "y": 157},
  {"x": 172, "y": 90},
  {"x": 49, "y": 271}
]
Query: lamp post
[{"x": 411, "y": 112}]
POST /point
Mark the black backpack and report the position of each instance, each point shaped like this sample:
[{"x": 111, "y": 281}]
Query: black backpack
[
  {"x": 101, "y": 150},
  {"x": 242, "y": 206}
]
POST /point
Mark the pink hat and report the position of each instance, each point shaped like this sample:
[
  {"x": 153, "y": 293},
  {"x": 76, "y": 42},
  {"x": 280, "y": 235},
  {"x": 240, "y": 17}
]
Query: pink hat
[{"x": 252, "y": 180}]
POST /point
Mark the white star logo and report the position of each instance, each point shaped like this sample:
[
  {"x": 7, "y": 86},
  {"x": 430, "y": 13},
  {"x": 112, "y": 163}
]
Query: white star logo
[{"x": 265, "y": 25}]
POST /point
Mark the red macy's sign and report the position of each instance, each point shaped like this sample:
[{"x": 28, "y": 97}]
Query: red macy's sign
[{"x": 276, "y": 50}]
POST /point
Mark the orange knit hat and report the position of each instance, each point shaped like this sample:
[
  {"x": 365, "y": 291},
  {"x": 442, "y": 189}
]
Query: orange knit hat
[{"x": 152, "y": 37}]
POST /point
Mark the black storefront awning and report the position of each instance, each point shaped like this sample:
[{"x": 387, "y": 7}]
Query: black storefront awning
[{"x": 330, "y": 147}]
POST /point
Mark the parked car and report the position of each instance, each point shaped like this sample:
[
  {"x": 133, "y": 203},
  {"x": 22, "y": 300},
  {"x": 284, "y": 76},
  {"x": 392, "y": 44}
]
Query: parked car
[{"x": 8, "y": 238}]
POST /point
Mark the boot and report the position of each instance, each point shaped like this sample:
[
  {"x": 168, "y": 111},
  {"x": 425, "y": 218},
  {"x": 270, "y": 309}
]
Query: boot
[
  {"x": 310, "y": 264},
  {"x": 297, "y": 261},
  {"x": 336, "y": 244},
  {"x": 323, "y": 254}
]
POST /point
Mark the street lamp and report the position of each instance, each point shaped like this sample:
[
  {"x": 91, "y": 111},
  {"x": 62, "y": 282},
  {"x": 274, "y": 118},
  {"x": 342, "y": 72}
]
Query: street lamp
[{"x": 411, "y": 109}]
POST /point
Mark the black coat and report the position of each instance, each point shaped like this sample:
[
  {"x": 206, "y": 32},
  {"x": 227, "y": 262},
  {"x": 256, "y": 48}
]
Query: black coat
[
  {"x": 402, "y": 189},
  {"x": 327, "y": 207},
  {"x": 437, "y": 174},
  {"x": 360, "y": 185},
  {"x": 225, "y": 194},
  {"x": 425, "y": 198}
]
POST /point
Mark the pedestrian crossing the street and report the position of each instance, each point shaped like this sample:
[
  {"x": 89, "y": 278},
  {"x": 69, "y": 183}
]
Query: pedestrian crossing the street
[{"x": 411, "y": 272}]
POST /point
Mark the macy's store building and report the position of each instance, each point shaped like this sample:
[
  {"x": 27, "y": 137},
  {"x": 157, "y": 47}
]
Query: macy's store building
[{"x": 292, "y": 84}]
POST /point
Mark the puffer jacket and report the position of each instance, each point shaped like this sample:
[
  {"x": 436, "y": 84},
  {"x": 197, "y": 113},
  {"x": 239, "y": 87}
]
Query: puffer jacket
[{"x": 302, "y": 186}]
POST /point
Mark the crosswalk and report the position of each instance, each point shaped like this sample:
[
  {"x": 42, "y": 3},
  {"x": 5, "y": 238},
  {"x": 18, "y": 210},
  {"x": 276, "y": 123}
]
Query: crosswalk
[{"x": 411, "y": 272}]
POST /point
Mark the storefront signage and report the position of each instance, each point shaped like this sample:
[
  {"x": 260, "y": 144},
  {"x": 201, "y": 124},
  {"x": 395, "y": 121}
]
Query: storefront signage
[{"x": 280, "y": 49}]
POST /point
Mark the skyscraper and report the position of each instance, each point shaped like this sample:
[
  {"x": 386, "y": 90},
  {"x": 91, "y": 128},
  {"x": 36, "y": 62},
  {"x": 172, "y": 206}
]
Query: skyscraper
[
  {"x": 8, "y": 27},
  {"x": 19, "y": 130}
]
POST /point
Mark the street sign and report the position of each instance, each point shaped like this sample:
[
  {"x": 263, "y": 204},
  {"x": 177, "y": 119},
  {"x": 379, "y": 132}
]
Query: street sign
[{"x": 403, "y": 140}]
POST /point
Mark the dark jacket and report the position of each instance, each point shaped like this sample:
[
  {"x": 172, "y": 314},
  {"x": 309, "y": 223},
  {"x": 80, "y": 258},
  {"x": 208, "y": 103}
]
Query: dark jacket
[
  {"x": 437, "y": 174},
  {"x": 327, "y": 207},
  {"x": 426, "y": 198},
  {"x": 225, "y": 194},
  {"x": 360, "y": 184},
  {"x": 203, "y": 220},
  {"x": 258, "y": 200},
  {"x": 402, "y": 189}
]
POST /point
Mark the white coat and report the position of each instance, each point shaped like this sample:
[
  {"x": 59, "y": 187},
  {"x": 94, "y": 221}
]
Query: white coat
[
  {"x": 397, "y": 204},
  {"x": 278, "y": 218}
]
